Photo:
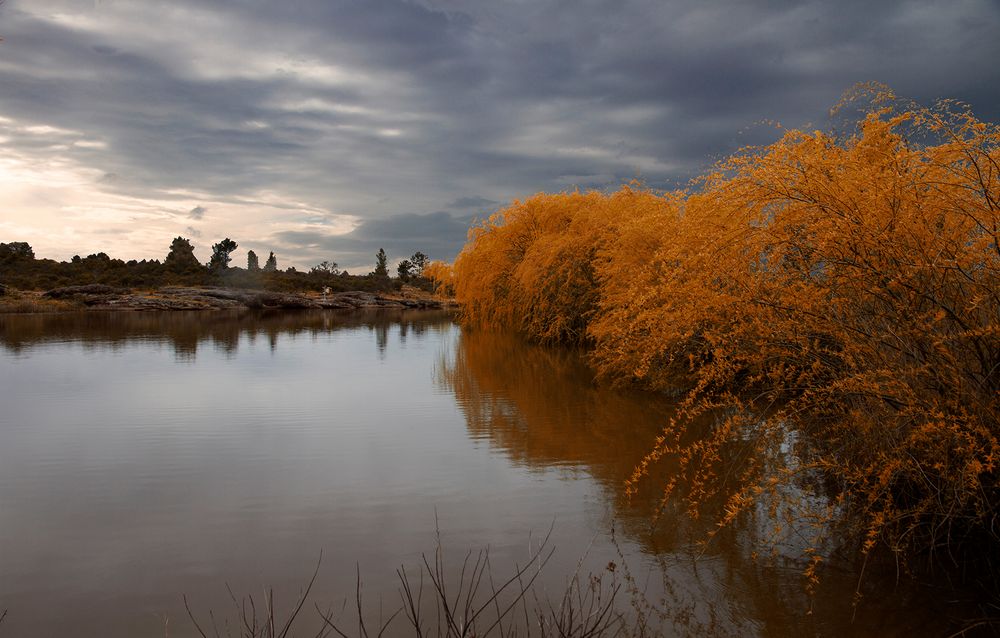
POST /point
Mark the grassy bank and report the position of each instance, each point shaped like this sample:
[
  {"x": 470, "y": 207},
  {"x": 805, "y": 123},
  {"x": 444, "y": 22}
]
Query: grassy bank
[
  {"x": 21, "y": 302},
  {"x": 832, "y": 299}
]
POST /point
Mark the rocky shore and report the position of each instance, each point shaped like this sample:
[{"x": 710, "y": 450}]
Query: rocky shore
[{"x": 101, "y": 297}]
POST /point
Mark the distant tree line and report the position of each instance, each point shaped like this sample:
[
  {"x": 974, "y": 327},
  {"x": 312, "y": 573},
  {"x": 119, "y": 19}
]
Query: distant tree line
[{"x": 19, "y": 268}]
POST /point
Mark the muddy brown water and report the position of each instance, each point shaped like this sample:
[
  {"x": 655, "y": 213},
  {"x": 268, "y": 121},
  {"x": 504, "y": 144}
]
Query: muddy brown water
[{"x": 146, "y": 457}]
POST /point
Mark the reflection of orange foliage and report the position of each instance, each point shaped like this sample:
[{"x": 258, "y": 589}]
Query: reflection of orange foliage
[
  {"x": 541, "y": 406},
  {"x": 838, "y": 297}
]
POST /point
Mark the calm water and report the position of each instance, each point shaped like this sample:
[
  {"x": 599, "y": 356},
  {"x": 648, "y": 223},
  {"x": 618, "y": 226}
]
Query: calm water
[{"x": 148, "y": 456}]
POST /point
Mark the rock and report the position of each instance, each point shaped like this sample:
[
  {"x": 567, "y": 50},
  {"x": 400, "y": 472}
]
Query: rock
[
  {"x": 359, "y": 299},
  {"x": 3, "y": 290},
  {"x": 229, "y": 297},
  {"x": 88, "y": 289},
  {"x": 333, "y": 304},
  {"x": 274, "y": 300}
]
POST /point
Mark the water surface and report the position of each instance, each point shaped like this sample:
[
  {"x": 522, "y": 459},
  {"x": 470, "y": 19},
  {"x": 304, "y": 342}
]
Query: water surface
[{"x": 148, "y": 456}]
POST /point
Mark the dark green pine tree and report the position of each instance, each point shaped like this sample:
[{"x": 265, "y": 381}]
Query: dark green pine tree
[{"x": 381, "y": 264}]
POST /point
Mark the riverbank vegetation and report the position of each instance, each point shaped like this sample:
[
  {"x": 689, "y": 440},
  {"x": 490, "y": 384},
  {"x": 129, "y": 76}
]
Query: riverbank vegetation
[
  {"x": 20, "y": 269},
  {"x": 831, "y": 303}
]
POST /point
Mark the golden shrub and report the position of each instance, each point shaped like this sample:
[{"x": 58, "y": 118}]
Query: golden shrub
[{"x": 838, "y": 298}]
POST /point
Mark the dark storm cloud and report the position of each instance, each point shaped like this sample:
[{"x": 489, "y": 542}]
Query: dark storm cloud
[
  {"x": 369, "y": 107},
  {"x": 439, "y": 235},
  {"x": 473, "y": 203}
]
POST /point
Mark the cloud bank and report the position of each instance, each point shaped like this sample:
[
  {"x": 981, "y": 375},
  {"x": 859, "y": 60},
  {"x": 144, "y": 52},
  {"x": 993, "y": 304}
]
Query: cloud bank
[{"x": 326, "y": 129}]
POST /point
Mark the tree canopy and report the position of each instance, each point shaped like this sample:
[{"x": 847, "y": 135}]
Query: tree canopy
[
  {"x": 181, "y": 256},
  {"x": 221, "y": 254},
  {"x": 325, "y": 267},
  {"x": 16, "y": 250}
]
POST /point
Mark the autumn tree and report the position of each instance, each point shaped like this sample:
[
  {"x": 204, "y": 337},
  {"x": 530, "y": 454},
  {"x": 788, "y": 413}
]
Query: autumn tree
[
  {"x": 832, "y": 302},
  {"x": 532, "y": 266},
  {"x": 442, "y": 277}
]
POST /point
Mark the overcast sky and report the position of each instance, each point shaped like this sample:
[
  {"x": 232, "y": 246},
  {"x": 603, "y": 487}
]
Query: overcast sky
[{"x": 324, "y": 129}]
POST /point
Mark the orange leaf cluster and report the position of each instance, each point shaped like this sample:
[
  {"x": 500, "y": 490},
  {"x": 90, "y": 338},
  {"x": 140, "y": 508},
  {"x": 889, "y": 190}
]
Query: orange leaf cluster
[
  {"x": 836, "y": 298},
  {"x": 443, "y": 277}
]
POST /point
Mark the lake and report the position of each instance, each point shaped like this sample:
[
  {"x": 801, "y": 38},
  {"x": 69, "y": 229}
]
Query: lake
[{"x": 147, "y": 457}]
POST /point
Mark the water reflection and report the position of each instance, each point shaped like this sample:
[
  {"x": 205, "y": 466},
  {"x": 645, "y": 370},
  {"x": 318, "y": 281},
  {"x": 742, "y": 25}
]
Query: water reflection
[
  {"x": 186, "y": 332},
  {"x": 542, "y": 407},
  {"x": 146, "y": 455}
]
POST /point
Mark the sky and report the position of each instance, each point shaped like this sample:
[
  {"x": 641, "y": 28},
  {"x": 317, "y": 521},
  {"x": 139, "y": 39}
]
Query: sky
[{"x": 326, "y": 129}]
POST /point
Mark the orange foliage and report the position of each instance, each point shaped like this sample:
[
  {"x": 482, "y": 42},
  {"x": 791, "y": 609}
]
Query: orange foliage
[
  {"x": 534, "y": 265},
  {"x": 834, "y": 298},
  {"x": 443, "y": 277}
]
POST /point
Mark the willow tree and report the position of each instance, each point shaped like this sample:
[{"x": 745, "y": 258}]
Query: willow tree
[{"x": 833, "y": 302}]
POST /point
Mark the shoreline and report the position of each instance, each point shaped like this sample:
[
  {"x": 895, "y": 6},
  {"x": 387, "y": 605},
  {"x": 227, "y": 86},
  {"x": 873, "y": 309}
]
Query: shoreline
[{"x": 99, "y": 297}]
